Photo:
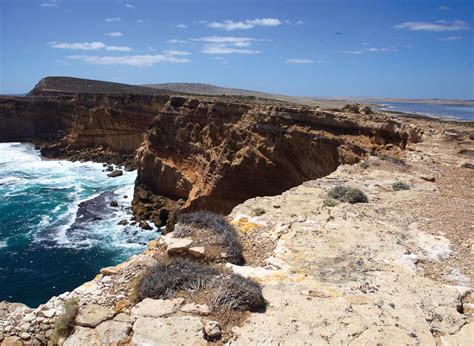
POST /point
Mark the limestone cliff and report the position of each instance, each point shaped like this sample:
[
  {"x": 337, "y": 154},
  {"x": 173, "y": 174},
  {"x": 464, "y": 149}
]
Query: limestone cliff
[{"x": 214, "y": 155}]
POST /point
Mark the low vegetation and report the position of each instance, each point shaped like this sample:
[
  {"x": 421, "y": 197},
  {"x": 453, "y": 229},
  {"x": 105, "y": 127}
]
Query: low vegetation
[
  {"x": 392, "y": 159},
  {"x": 64, "y": 324},
  {"x": 258, "y": 211},
  {"x": 212, "y": 230},
  {"x": 221, "y": 289},
  {"x": 365, "y": 165},
  {"x": 330, "y": 202},
  {"x": 399, "y": 185},
  {"x": 347, "y": 194}
]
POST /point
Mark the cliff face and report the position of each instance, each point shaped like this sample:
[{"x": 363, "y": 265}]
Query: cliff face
[
  {"x": 215, "y": 155},
  {"x": 79, "y": 126}
]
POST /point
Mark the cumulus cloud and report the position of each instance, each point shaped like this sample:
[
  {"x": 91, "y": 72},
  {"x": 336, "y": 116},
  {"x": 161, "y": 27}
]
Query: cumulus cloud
[
  {"x": 299, "y": 61},
  {"x": 113, "y": 34},
  {"x": 129, "y": 6},
  {"x": 181, "y": 26},
  {"x": 113, "y": 19},
  {"x": 440, "y": 25},
  {"x": 230, "y": 25},
  {"x": 130, "y": 60},
  {"x": 89, "y": 46}
]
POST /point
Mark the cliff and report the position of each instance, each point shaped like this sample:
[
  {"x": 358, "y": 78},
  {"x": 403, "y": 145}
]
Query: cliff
[{"x": 214, "y": 155}]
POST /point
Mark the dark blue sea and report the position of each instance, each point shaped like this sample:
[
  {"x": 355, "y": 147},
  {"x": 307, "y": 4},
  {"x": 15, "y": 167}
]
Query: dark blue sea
[
  {"x": 57, "y": 228},
  {"x": 455, "y": 112}
]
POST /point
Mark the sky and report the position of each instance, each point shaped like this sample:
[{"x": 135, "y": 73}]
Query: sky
[{"x": 376, "y": 48}]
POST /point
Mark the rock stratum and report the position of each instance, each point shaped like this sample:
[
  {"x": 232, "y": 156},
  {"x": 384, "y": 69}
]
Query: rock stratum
[{"x": 395, "y": 270}]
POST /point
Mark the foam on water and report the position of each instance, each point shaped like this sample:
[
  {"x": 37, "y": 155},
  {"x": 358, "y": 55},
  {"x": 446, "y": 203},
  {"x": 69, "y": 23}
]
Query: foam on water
[{"x": 40, "y": 232}]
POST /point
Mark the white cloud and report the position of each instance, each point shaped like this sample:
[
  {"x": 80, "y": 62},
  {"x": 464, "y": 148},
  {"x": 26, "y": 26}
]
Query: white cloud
[
  {"x": 227, "y": 45},
  {"x": 118, "y": 48},
  {"x": 300, "y": 22},
  {"x": 89, "y": 46},
  {"x": 113, "y": 19},
  {"x": 299, "y": 61},
  {"x": 131, "y": 60},
  {"x": 174, "y": 52},
  {"x": 48, "y": 4},
  {"x": 181, "y": 26},
  {"x": 222, "y": 49},
  {"x": 440, "y": 25},
  {"x": 152, "y": 49},
  {"x": 129, "y": 6},
  {"x": 230, "y": 25},
  {"x": 370, "y": 50},
  {"x": 113, "y": 34},
  {"x": 451, "y": 38},
  {"x": 174, "y": 40},
  {"x": 79, "y": 45}
]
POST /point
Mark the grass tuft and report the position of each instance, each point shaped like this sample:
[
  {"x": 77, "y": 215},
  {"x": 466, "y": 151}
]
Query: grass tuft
[
  {"x": 64, "y": 324},
  {"x": 330, "y": 202}
]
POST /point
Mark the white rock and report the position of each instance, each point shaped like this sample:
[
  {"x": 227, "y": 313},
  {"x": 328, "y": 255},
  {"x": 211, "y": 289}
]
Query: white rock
[
  {"x": 156, "y": 307},
  {"x": 198, "y": 309},
  {"x": 113, "y": 332},
  {"x": 47, "y": 313},
  {"x": 92, "y": 315},
  {"x": 212, "y": 330},
  {"x": 83, "y": 336},
  {"x": 177, "y": 331}
]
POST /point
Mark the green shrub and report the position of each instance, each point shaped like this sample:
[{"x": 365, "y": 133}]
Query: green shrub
[
  {"x": 398, "y": 186},
  {"x": 258, "y": 211},
  {"x": 347, "y": 194},
  {"x": 365, "y": 165},
  {"x": 201, "y": 224},
  {"x": 64, "y": 324},
  {"x": 330, "y": 202}
]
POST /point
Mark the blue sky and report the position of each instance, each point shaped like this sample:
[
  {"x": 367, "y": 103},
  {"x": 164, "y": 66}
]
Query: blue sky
[{"x": 314, "y": 48}]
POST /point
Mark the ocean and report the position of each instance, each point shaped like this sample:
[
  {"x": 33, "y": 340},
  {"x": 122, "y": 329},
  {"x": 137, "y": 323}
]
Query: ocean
[
  {"x": 57, "y": 228},
  {"x": 456, "y": 112}
]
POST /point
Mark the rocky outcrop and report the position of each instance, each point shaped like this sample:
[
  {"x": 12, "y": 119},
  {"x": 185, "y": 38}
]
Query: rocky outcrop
[
  {"x": 101, "y": 127},
  {"x": 214, "y": 155}
]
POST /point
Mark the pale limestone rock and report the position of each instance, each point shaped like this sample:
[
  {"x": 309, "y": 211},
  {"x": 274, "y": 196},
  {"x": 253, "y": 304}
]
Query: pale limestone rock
[
  {"x": 83, "y": 336},
  {"x": 25, "y": 336},
  {"x": 384, "y": 335},
  {"x": 464, "y": 337},
  {"x": 113, "y": 332},
  {"x": 47, "y": 313},
  {"x": 156, "y": 307},
  {"x": 122, "y": 317},
  {"x": 184, "y": 330},
  {"x": 198, "y": 309},
  {"x": 176, "y": 245},
  {"x": 212, "y": 329},
  {"x": 92, "y": 315},
  {"x": 197, "y": 251},
  {"x": 12, "y": 341},
  {"x": 109, "y": 271}
]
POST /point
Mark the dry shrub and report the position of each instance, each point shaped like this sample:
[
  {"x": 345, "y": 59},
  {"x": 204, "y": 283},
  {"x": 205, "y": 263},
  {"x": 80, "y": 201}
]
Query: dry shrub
[
  {"x": 222, "y": 290},
  {"x": 210, "y": 229},
  {"x": 348, "y": 194},
  {"x": 399, "y": 185}
]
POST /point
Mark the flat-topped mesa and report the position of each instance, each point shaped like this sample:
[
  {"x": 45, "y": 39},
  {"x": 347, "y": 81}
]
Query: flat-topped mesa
[{"x": 215, "y": 155}]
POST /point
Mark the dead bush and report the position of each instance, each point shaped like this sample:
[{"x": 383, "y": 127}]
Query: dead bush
[
  {"x": 348, "y": 194},
  {"x": 210, "y": 229},
  {"x": 64, "y": 324}
]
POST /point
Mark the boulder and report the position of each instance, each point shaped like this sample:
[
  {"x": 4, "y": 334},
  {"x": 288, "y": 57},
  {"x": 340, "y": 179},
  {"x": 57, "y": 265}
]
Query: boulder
[
  {"x": 12, "y": 341},
  {"x": 176, "y": 245},
  {"x": 116, "y": 173},
  {"x": 82, "y": 336},
  {"x": 145, "y": 225},
  {"x": 184, "y": 330},
  {"x": 114, "y": 332},
  {"x": 156, "y": 307},
  {"x": 92, "y": 315},
  {"x": 114, "y": 203}
]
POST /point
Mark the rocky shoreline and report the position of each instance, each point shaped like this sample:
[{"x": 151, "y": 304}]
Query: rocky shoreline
[{"x": 396, "y": 268}]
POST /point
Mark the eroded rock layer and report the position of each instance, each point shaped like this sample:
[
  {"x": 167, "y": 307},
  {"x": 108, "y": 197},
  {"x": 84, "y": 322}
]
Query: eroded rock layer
[{"x": 215, "y": 155}]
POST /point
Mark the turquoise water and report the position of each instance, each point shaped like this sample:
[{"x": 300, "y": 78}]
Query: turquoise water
[
  {"x": 437, "y": 110},
  {"x": 57, "y": 228}
]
